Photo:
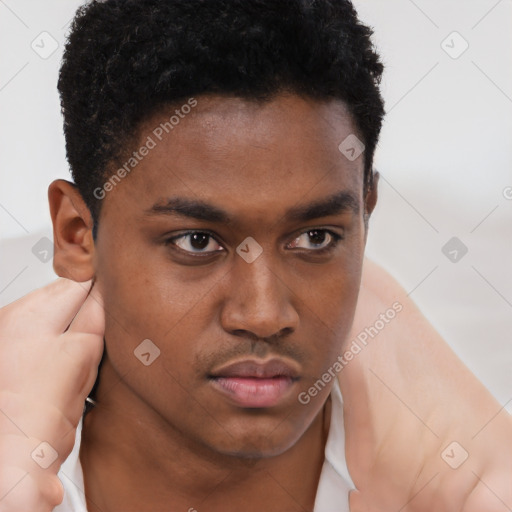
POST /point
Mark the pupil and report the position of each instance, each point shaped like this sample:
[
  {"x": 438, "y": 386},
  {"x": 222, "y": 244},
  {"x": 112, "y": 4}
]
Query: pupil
[
  {"x": 199, "y": 240},
  {"x": 317, "y": 237}
]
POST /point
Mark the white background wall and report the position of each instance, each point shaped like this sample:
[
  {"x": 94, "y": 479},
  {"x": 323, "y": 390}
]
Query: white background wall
[{"x": 445, "y": 157}]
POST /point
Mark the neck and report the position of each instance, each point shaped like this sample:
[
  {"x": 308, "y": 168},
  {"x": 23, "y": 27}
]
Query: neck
[{"x": 134, "y": 460}]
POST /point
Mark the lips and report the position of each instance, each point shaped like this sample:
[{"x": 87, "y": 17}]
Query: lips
[
  {"x": 255, "y": 384},
  {"x": 257, "y": 370}
]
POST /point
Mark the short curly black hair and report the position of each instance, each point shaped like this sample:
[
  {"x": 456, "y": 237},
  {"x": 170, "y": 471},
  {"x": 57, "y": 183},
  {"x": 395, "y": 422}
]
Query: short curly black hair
[{"x": 127, "y": 59}]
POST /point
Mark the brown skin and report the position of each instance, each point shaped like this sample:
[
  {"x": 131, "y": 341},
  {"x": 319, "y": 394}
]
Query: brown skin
[
  {"x": 406, "y": 396},
  {"x": 161, "y": 434}
]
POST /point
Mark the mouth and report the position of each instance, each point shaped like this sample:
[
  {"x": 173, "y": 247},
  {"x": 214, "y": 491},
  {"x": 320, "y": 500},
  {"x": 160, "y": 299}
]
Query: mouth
[{"x": 253, "y": 384}]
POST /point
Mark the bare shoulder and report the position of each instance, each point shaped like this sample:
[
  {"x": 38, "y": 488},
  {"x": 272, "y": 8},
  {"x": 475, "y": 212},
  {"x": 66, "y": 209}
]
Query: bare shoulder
[{"x": 420, "y": 426}]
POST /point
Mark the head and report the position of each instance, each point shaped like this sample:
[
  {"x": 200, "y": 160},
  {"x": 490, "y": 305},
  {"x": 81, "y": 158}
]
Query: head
[{"x": 220, "y": 200}]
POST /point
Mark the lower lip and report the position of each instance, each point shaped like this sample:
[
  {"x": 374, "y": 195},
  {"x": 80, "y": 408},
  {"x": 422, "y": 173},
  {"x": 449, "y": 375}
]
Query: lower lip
[{"x": 254, "y": 392}]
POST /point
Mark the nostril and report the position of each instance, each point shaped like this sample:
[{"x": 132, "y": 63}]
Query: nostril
[
  {"x": 285, "y": 331},
  {"x": 251, "y": 336},
  {"x": 243, "y": 333}
]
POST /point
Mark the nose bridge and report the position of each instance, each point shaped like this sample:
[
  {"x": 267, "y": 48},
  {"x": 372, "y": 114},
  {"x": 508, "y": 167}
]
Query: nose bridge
[
  {"x": 258, "y": 300},
  {"x": 261, "y": 280}
]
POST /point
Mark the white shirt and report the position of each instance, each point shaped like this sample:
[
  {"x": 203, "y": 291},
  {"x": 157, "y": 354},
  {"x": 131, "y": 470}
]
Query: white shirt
[{"x": 333, "y": 488}]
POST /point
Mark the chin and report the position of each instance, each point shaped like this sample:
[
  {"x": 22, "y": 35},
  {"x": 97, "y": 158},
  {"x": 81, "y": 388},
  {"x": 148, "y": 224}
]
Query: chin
[{"x": 254, "y": 443}]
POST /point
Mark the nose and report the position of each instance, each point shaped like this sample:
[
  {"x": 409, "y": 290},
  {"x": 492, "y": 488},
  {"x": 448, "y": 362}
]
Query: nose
[{"x": 258, "y": 302}]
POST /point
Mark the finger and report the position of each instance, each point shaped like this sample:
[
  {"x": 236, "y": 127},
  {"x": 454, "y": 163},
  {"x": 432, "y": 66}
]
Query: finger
[
  {"x": 50, "y": 309},
  {"x": 91, "y": 317}
]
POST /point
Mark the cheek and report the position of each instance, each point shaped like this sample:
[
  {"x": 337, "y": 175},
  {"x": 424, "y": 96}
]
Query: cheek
[
  {"x": 143, "y": 288},
  {"x": 326, "y": 303},
  {"x": 144, "y": 302},
  {"x": 145, "y": 298}
]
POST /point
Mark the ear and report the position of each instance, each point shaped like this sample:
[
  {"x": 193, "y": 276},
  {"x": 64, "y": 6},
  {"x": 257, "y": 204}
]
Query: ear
[
  {"x": 72, "y": 232},
  {"x": 371, "y": 195},
  {"x": 371, "y": 199}
]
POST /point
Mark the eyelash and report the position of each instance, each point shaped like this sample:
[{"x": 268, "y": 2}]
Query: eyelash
[
  {"x": 171, "y": 242},
  {"x": 336, "y": 238}
]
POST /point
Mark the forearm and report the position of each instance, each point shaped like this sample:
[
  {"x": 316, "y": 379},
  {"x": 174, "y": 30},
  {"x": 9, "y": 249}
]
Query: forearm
[{"x": 50, "y": 345}]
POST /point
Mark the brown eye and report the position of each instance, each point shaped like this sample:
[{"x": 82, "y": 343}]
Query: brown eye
[
  {"x": 317, "y": 237},
  {"x": 315, "y": 240},
  {"x": 197, "y": 242}
]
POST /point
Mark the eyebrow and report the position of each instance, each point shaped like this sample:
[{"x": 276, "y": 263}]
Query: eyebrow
[
  {"x": 340, "y": 202},
  {"x": 193, "y": 208}
]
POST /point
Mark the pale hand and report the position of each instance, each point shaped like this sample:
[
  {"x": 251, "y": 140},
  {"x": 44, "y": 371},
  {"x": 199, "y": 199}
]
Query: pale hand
[
  {"x": 422, "y": 433},
  {"x": 51, "y": 343}
]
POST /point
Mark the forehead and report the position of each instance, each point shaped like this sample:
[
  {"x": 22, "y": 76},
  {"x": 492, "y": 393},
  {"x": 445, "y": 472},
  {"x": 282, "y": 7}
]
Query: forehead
[{"x": 239, "y": 153}]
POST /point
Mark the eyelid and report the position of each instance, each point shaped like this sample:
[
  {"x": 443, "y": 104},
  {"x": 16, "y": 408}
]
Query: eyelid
[
  {"x": 336, "y": 237},
  {"x": 169, "y": 240}
]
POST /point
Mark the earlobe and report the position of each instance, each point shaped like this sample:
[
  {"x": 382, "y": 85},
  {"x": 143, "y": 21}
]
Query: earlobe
[{"x": 72, "y": 232}]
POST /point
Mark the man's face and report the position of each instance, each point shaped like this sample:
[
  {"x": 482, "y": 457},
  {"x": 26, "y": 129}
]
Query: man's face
[{"x": 167, "y": 263}]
